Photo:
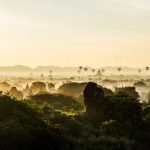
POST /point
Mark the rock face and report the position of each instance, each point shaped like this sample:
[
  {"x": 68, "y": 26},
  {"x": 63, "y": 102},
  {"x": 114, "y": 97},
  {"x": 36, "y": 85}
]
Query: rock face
[{"x": 93, "y": 100}]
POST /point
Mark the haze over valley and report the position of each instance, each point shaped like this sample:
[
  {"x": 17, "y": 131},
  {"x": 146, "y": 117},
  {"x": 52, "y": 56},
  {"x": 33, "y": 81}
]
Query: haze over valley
[{"x": 74, "y": 75}]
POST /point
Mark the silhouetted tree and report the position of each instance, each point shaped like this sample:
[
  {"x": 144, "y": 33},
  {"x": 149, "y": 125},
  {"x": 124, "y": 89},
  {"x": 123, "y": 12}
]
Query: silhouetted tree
[
  {"x": 21, "y": 127},
  {"x": 130, "y": 91},
  {"x": 147, "y": 68},
  {"x": 119, "y": 69},
  {"x": 124, "y": 108},
  {"x": 85, "y": 69},
  {"x": 80, "y": 67}
]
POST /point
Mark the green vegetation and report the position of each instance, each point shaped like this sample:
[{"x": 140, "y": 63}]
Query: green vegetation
[
  {"x": 21, "y": 127},
  {"x": 58, "y": 102},
  {"x": 59, "y": 122}
]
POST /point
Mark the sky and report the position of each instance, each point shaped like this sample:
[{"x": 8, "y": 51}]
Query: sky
[{"x": 92, "y": 33}]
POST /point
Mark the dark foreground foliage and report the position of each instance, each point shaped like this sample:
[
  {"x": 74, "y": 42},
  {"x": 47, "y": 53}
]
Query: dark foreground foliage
[
  {"x": 21, "y": 128},
  {"x": 45, "y": 123}
]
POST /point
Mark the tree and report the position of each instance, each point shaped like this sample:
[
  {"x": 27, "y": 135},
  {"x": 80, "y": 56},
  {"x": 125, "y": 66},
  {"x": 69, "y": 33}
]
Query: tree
[
  {"x": 124, "y": 108},
  {"x": 130, "y": 91},
  {"x": 119, "y": 69},
  {"x": 147, "y": 68},
  {"x": 21, "y": 127},
  {"x": 80, "y": 67},
  {"x": 120, "y": 107},
  {"x": 85, "y": 69}
]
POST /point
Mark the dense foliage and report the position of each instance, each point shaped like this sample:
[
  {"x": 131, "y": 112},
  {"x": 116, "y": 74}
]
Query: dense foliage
[
  {"x": 21, "y": 127},
  {"x": 49, "y": 121}
]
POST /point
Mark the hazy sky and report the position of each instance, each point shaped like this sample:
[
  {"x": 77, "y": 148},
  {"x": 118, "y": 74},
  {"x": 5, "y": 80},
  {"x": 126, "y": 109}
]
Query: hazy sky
[{"x": 75, "y": 32}]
